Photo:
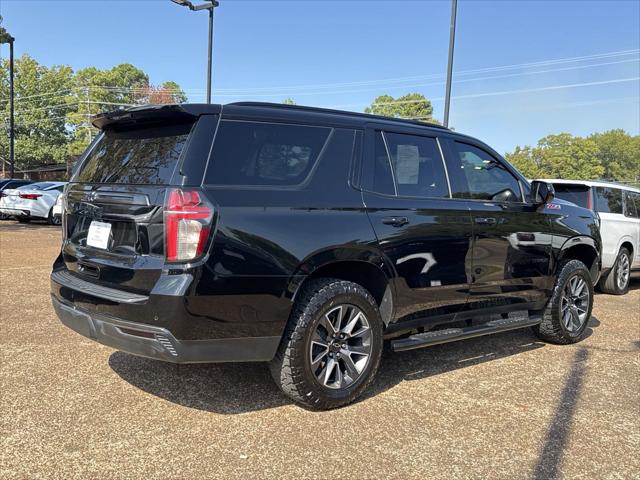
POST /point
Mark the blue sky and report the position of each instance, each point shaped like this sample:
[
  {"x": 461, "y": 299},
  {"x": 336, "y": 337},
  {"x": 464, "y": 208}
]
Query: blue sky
[{"x": 524, "y": 69}]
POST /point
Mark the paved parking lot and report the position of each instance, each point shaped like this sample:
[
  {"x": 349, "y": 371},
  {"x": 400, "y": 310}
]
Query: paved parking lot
[{"x": 505, "y": 406}]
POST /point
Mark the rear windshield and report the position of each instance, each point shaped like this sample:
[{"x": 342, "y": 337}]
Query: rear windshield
[
  {"x": 143, "y": 156},
  {"x": 578, "y": 194}
]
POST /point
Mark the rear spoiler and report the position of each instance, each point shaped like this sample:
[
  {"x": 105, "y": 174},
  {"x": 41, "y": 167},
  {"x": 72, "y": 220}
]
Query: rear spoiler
[{"x": 150, "y": 114}]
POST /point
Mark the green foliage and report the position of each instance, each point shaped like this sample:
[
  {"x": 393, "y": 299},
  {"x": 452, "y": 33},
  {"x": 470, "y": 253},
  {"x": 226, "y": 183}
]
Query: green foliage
[
  {"x": 619, "y": 154},
  {"x": 289, "y": 101},
  {"x": 613, "y": 155},
  {"x": 176, "y": 92},
  {"x": 54, "y": 106},
  {"x": 413, "y": 106},
  {"x": 42, "y": 102}
]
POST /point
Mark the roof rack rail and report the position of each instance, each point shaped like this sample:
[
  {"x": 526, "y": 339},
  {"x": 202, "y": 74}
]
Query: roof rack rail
[{"x": 337, "y": 112}]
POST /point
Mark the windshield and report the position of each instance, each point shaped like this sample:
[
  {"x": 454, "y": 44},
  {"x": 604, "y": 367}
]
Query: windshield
[{"x": 142, "y": 156}]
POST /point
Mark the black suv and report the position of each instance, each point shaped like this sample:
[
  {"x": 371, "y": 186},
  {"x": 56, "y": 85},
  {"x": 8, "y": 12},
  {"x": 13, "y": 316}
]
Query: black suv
[{"x": 305, "y": 238}]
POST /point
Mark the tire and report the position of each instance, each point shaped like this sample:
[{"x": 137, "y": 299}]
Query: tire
[
  {"x": 23, "y": 219},
  {"x": 52, "y": 219},
  {"x": 340, "y": 375},
  {"x": 617, "y": 280},
  {"x": 572, "y": 293}
]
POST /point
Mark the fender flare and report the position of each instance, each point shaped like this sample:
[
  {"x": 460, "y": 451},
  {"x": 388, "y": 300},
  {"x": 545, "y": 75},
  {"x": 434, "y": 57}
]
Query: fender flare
[{"x": 581, "y": 240}]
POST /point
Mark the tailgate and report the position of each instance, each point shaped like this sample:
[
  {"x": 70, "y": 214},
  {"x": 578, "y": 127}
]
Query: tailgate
[{"x": 113, "y": 221}]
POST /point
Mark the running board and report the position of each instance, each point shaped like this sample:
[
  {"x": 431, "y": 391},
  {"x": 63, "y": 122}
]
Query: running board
[{"x": 436, "y": 337}]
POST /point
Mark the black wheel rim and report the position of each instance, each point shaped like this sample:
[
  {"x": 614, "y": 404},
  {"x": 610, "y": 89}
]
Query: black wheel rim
[{"x": 340, "y": 346}]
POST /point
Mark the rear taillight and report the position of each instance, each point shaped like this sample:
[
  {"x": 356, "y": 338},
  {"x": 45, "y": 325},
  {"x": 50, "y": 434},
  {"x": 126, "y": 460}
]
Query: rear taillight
[
  {"x": 187, "y": 223},
  {"x": 30, "y": 196}
]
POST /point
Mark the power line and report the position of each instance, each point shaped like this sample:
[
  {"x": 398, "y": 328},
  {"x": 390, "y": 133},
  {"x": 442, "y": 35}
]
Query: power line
[
  {"x": 285, "y": 89},
  {"x": 503, "y": 92},
  {"x": 464, "y": 80}
]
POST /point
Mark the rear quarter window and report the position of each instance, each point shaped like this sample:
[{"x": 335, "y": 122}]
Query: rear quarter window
[
  {"x": 264, "y": 154},
  {"x": 578, "y": 194},
  {"x": 141, "y": 156},
  {"x": 632, "y": 204},
  {"x": 608, "y": 200}
]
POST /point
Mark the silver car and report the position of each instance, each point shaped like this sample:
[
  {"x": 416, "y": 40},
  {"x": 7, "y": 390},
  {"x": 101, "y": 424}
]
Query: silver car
[{"x": 32, "y": 201}]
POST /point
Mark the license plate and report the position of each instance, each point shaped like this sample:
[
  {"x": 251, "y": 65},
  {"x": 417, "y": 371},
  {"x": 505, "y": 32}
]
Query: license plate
[{"x": 98, "y": 235}]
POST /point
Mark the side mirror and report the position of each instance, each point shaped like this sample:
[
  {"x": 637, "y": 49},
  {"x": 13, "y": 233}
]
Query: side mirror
[{"x": 542, "y": 192}]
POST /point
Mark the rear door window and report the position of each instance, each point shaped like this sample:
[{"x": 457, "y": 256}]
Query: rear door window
[
  {"x": 264, "y": 154},
  {"x": 578, "y": 194},
  {"x": 608, "y": 200},
  {"x": 140, "y": 156},
  {"x": 417, "y": 166}
]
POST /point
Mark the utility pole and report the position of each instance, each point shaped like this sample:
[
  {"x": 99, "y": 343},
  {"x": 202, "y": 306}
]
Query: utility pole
[{"x": 452, "y": 37}]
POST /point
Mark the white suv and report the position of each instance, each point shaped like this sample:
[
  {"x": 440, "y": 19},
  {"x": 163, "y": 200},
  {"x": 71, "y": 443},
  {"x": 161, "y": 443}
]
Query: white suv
[{"x": 619, "y": 209}]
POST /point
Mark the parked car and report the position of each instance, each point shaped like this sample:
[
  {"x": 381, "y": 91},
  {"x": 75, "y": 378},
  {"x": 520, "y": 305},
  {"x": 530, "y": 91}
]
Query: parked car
[
  {"x": 619, "y": 209},
  {"x": 31, "y": 201},
  {"x": 10, "y": 183},
  {"x": 306, "y": 237}
]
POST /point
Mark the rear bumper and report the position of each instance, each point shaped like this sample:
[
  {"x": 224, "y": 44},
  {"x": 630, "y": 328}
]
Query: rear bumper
[
  {"x": 15, "y": 212},
  {"x": 159, "y": 343}
]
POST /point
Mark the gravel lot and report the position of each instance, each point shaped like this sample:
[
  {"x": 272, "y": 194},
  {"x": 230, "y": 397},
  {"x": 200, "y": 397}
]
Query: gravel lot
[{"x": 505, "y": 406}]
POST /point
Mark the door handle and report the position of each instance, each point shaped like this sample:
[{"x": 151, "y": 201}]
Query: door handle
[
  {"x": 395, "y": 221},
  {"x": 486, "y": 220}
]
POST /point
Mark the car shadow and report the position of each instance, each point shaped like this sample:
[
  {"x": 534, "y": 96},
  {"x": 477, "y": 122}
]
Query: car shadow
[{"x": 233, "y": 388}]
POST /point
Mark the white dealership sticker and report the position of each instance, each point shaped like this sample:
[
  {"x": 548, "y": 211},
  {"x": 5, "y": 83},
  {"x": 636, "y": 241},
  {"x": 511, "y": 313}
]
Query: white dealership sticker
[{"x": 98, "y": 235}]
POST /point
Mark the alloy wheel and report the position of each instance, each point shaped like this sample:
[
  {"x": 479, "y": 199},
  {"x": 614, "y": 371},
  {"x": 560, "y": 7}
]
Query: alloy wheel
[
  {"x": 340, "y": 346},
  {"x": 623, "y": 271},
  {"x": 575, "y": 303}
]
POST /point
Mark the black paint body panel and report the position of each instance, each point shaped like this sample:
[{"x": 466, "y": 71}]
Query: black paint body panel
[{"x": 267, "y": 241}]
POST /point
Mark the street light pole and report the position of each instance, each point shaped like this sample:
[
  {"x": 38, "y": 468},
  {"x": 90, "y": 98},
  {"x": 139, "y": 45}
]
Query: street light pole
[
  {"x": 209, "y": 55},
  {"x": 452, "y": 37},
  {"x": 211, "y": 5},
  {"x": 12, "y": 132}
]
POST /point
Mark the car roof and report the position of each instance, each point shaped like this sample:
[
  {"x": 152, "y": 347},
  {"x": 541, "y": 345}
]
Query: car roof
[
  {"x": 261, "y": 109},
  {"x": 591, "y": 183}
]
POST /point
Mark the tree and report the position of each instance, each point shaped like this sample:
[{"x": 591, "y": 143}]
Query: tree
[
  {"x": 54, "y": 106},
  {"x": 168, "y": 92},
  {"x": 42, "y": 101},
  {"x": 619, "y": 154},
  {"x": 413, "y": 106},
  {"x": 289, "y": 101},
  {"x": 559, "y": 156},
  {"x": 103, "y": 90}
]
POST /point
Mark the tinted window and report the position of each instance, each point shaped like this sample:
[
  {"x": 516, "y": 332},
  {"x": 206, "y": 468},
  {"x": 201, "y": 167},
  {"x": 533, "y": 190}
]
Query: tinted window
[
  {"x": 382, "y": 174},
  {"x": 143, "y": 156},
  {"x": 608, "y": 200},
  {"x": 632, "y": 204},
  {"x": 480, "y": 176},
  {"x": 578, "y": 194},
  {"x": 417, "y": 166},
  {"x": 251, "y": 153}
]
